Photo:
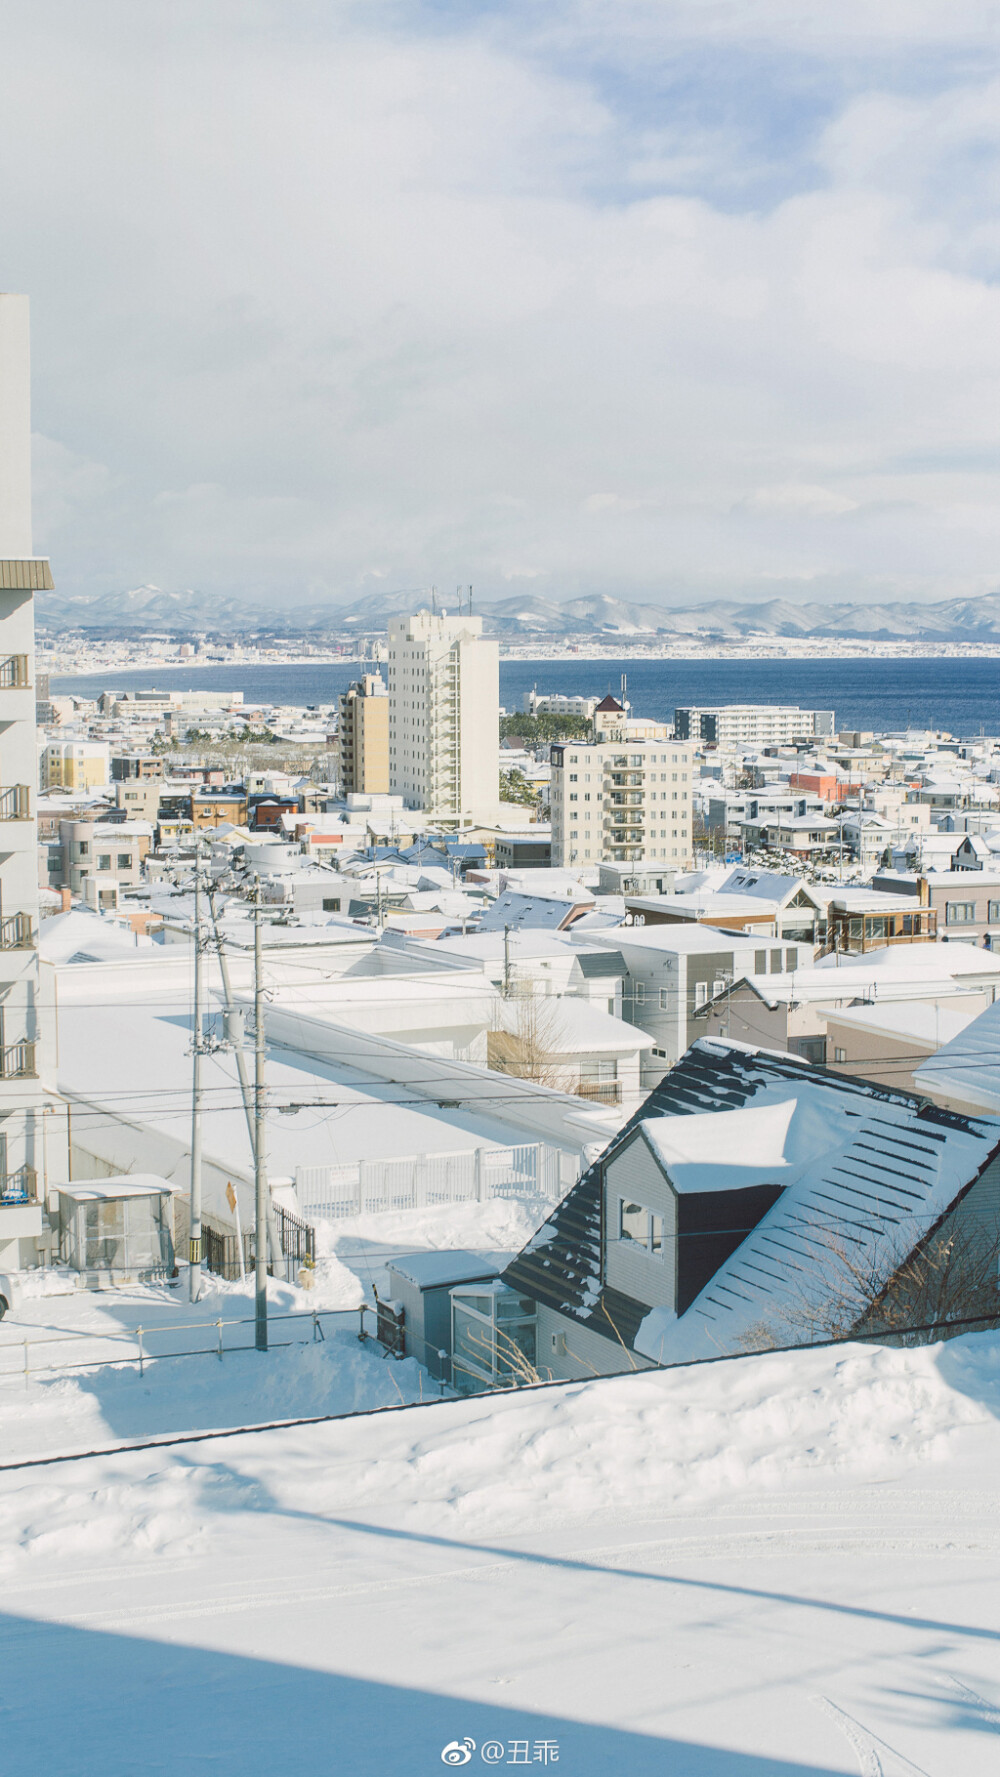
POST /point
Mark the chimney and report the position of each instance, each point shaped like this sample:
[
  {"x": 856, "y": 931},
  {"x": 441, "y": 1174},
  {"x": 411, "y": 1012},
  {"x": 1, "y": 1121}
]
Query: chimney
[{"x": 67, "y": 900}]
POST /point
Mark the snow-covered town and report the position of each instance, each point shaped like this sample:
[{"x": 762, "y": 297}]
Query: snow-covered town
[{"x": 499, "y": 891}]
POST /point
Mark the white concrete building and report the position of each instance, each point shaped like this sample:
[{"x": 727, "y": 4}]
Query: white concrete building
[
  {"x": 626, "y": 802},
  {"x": 762, "y": 724},
  {"x": 444, "y": 712},
  {"x": 21, "y": 574}
]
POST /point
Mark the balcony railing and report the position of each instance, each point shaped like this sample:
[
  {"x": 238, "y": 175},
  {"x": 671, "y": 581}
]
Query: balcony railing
[
  {"x": 601, "y": 1091},
  {"x": 14, "y": 673},
  {"x": 15, "y": 803},
  {"x": 17, "y": 1061},
  {"x": 17, "y": 932},
  {"x": 20, "y": 1186}
]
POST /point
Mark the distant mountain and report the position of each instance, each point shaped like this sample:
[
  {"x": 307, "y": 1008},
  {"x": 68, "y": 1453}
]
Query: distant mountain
[{"x": 147, "y": 609}]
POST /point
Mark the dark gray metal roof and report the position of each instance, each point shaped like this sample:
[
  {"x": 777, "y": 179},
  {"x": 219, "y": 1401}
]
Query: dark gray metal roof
[
  {"x": 596, "y": 963},
  {"x": 561, "y": 1265}
]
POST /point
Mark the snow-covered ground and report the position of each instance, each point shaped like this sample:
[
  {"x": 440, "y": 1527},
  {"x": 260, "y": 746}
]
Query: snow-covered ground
[{"x": 779, "y": 1565}]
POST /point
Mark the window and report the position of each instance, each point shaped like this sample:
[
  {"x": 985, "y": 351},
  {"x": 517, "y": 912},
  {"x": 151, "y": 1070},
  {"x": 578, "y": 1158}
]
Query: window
[
  {"x": 124, "y": 860},
  {"x": 760, "y": 962},
  {"x": 700, "y": 992},
  {"x": 639, "y": 993},
  {"x": 791, "y": 959},
  {"x": 840, "y": 1054},
  {"x": 331, "y": 904},
  {"x": 664, "y": 999},
  {"x": 104, "y": 860},
  {"x": 640, "y": 1227},
  {"x": 993, "y": 913},
  {"x": 959, "y": 913},
  {"x": 632, "y": 1222},
  {"x": 776, "y": 962}
]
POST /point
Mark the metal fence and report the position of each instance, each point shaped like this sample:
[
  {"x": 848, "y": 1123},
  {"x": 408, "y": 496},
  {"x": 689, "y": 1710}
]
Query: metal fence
[
  {"x": 24, "y": 1360},
  {"x": 222, "y": 1252},
  {"x": 368, "y": 1187}
]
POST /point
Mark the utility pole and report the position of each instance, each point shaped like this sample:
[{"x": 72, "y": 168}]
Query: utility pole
[
  {"x": 506, "y": 962},
  {"x": 194, "y": 1242},
  {"x": 234, "y": 1035},
  {"x": 260, "y": 1130}
]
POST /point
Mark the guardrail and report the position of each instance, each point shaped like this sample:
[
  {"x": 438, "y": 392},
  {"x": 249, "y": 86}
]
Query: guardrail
[{"x": 141, "y": 1343}]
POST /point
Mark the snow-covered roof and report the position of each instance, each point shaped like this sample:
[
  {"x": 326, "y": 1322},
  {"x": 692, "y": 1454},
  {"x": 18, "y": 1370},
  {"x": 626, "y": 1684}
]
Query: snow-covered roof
[
  {"x": 856, "y": 1163},
  {"x": 915, "y": 1021},
  {"x": 438, "y": 1270},
  {"x": 732, "y": 1150},
  {"x": 967, "y": 1069},
  {"x": 568, "y": 1026}
]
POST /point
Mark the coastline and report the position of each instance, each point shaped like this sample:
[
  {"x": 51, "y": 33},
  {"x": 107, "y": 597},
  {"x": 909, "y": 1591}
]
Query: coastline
[{"x": 855, "y": 650}]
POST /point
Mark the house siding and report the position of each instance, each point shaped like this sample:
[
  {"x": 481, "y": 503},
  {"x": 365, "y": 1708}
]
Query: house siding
[
  {"x": 587, "y": 1353},
  {"x": 634, "y": 1175}
]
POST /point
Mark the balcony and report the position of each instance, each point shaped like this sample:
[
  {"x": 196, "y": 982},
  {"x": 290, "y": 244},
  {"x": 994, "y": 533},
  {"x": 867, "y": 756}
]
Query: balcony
[
  {"x": 15, "y": 803},
  {"x": 601, "y": 1091},
  {"x": 20, "y": 1186},
  {"x": 14, "y": 673},
  {"x": 16, "y": 932},
  {"x": 17, "y": 1061}
]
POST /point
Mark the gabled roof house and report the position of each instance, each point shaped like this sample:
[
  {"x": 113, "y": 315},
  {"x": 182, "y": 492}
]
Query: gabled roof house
[{"x": 714, "y": 1219}]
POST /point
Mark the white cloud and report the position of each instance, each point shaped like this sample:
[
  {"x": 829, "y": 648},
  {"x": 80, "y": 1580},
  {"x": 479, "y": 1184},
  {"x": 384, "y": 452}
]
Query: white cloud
[{"x": 313, "y": 290}]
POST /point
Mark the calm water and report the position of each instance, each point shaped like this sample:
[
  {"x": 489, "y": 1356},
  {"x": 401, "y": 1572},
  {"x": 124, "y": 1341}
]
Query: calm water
[{"x": 960, "y": 695}]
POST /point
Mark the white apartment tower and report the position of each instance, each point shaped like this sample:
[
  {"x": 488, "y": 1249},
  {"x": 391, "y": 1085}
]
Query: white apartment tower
[
  {"x": 623, "y": 802},
  {"x": 21, "y": 575},
  {"x": 444, "y": 716}
]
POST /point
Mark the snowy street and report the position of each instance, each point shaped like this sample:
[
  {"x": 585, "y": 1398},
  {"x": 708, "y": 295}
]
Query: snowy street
[{"x": 778, "y": 1565}]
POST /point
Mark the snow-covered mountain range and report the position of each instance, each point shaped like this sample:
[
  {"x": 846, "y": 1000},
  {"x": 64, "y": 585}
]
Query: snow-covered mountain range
[{"x": 148, "y": 608}]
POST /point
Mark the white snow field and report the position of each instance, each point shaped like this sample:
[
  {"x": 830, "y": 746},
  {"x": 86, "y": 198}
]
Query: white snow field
[{"x": 777, "y": 1565}]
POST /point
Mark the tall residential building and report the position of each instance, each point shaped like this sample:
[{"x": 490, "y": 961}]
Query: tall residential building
[
  {"x": 21, "y": 575},
  {"x": 755, "y": 724},
  {"x": 444, "y": 717},
  {"x": 363, "y": 738},
  {"x": 623, "y": 802}
]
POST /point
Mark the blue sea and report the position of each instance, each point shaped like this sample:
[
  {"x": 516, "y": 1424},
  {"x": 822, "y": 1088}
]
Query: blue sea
[{"x": 962, "y": 696}]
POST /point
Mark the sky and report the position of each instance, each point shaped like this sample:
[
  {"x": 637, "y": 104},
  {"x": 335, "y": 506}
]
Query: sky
[{"x": 667, "y": 299}]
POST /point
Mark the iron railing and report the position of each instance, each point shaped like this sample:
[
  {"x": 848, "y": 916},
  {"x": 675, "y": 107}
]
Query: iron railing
[
  {"x": 20, "y": 1186},
  {"x": 222, "y": 1252}
]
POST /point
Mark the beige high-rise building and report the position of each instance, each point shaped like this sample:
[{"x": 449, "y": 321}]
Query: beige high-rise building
[
  {"x": 21, "y": 1022},
  {"x": 623, "y": 802},
  {"x": 363, "y": 738},
  {"x": 444, "y": 717}
]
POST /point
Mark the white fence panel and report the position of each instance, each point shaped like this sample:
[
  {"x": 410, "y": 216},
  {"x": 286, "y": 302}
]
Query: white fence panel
[{"x": 371, "y": 1187}]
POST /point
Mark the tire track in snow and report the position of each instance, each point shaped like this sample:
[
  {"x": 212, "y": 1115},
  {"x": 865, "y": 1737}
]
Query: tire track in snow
[
  {"x": 991, "y": 1714},
  {"x": 865, "y": 1744}
]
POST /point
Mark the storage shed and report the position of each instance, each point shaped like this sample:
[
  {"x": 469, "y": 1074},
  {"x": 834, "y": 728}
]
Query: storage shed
[
  {"x": 422, "y": 1284},
  {"x": 117, "y": 1230}
]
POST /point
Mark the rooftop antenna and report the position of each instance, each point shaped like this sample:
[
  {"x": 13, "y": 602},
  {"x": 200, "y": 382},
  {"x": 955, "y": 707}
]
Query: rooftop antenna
[
  {"x": 434, "y": 600},
  {"x": 470, "y": 601},
  {"x": 458, "y": 595}
]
